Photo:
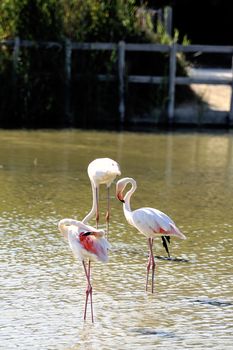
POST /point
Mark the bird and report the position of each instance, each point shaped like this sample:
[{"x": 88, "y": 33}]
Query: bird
[
  {"x": 101, "y": 171},
  {"x": 88, "y": 244},
  {"x": 149, "y": 221}
]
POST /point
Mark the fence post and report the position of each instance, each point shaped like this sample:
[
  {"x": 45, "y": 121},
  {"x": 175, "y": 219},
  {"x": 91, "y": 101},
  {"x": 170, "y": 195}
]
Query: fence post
[
  {"x": 171, "y": 81},
  {"x": 231, "y": 104},
  {"x": 68, "y": 58},
  {"x": 168, "y": 20},
  {"x": 121, "y": 80},
  {"x": 15, "y": 57},
  {"x": 159, "y": 15}
]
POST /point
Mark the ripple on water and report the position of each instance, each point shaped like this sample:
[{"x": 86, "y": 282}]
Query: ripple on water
[{"x": 43, "y": 287}]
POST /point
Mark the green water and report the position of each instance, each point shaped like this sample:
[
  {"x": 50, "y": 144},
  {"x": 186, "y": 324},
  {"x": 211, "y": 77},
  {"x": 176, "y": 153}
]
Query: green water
[{"x": 43, "y": 178}]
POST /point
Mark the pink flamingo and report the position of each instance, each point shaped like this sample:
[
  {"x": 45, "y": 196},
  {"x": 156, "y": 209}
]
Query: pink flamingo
[
  {"x": 86, "y": 242},
  {"x": 149, "y": 221},
  {"x": 101, "y": 171}
]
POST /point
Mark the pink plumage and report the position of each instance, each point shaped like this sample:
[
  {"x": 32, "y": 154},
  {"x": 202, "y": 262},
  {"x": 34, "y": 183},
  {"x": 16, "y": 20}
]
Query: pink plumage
[{"x": 87, "y": 243}]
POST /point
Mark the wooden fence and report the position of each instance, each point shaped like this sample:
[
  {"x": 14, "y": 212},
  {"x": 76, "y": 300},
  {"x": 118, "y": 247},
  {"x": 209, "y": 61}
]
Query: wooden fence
[{"x": 122, "y": 48}]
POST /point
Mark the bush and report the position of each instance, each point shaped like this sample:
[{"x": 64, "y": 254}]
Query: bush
[{"x": 35, "y": 82}]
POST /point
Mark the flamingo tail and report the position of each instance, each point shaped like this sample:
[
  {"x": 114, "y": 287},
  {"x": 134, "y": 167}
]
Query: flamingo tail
[{"x": 166, "y": 241}]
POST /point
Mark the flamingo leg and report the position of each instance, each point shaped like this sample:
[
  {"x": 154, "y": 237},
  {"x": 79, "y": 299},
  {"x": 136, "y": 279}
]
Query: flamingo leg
[
  {"x": 97, "y": 206},
  {"x": 88, "y": 290},
  {"x": 150, "y": 265},
  {"x": 108, "y": 209},
  {"x": 153, "y": 266},
  {"x": 147, "y": 272}
]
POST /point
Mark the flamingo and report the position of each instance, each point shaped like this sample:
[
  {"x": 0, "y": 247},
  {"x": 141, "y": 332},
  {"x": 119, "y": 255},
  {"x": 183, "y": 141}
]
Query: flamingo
[
  {"x": 149, "y": 221},
  {"x": 87, "y": 243},
  {"x": 101, "y": 171}
]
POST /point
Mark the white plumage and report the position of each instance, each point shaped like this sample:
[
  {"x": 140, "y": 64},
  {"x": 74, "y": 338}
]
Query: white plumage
[
  {"x": 149, "y": 221},
  {"x": 101, "y": 171}
]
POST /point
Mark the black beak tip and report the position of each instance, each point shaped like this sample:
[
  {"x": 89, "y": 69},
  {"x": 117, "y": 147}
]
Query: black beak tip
[{"x": 87, "y": 233}]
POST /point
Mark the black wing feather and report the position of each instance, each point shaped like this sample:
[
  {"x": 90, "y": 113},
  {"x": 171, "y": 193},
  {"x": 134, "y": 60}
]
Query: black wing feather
[{"x": 166, "y": 241}]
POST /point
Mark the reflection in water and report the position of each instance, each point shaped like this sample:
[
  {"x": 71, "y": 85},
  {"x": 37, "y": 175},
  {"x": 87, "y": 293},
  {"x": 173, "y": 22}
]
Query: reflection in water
[{"x": 189, "y": 176}]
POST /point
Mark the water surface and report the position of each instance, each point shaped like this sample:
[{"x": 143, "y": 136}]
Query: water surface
[{"x": 43, "y": 179}]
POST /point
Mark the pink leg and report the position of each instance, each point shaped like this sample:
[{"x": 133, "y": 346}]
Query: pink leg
[
  {"x": 108, "y": 210},
  {"x": 88, "y": 290},
  {"x": 150, "y": 265},
  {"x": 97, "y": 206},
  {"x": 147, "y": 271}
]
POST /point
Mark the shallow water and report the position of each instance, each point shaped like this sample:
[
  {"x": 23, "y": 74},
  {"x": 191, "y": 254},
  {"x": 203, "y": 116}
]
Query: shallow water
[{"x": 43, "y": 179}]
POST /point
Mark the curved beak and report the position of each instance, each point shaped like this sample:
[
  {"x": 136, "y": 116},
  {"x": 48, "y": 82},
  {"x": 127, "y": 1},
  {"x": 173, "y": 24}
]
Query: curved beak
[
  {"x": 119, "y": 196},
  {"x": 87, "y": 233}
]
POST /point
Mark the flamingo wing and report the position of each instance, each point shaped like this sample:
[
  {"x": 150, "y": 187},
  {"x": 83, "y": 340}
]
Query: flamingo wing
[
  {"x": 95, "y": 244},
  {"x": 92, "y": 246},
  {"x": 151, "y": 221}
]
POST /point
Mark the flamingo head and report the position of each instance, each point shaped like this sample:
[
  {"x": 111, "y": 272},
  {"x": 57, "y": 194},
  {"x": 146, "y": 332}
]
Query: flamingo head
[
  {"x": 120, "y": 187},
  {"x": 120, "y": 197},
  {"x": 97, "y": 234},
  {"x": 112, "y": 171},
  {"x": 116, "y": 168}
]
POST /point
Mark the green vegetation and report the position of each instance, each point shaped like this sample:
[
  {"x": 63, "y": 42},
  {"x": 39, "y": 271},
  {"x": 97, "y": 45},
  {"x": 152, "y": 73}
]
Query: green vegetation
[{"x": 33, "y": 90}]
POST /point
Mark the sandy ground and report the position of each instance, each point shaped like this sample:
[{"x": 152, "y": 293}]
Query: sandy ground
[
  {"x": 213, "y": 107},
  {"x": 217, "y": 97}
]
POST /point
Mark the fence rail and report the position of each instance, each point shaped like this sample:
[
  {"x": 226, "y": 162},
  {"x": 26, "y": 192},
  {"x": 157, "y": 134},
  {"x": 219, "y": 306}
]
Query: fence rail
[{"x": 122, "y": 48}]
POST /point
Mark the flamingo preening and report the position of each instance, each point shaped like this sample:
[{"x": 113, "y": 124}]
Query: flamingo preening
[
  {"x": 101, "y": 171},
  {"x": 87, "y": 243},
  {"x": 149, "y": 221}
]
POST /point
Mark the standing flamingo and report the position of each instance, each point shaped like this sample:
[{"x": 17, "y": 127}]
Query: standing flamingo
[
  {"x": 86, "y": 242},
  {"x": 101, "y": 171},
  {"x": 149, "y": 221}
]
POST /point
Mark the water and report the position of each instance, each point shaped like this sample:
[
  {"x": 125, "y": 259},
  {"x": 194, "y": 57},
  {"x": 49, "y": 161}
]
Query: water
[{"x": 43, "y": 179}]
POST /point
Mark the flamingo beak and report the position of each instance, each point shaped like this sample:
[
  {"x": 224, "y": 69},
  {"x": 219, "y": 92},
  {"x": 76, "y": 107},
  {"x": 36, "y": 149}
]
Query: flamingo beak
[
  {"x": 120, "y": 197},
  {"x": 87, "y": 233}
]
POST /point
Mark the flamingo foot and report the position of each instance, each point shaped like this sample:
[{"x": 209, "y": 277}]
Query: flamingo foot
[
  {"x": 88, "y": 293},
  {"x": 153, "y": 275},
  {"x": 150, "y": 265},
  {"x": 147, "y": 273}
]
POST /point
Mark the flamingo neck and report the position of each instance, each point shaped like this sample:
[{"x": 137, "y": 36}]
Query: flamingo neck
[
  {"x": 93, "y": 210},
  {"x": 126, "y": 205},
  {"x": 64, "y": 224}
]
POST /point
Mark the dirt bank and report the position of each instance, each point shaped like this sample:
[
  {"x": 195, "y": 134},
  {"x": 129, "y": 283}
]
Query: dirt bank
[{"x": 214, "y": 103}]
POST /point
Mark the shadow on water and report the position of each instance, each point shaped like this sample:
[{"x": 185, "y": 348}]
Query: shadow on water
[
  {"x": 134, "y": 251},
  {"x": 154, "y": 332},
  {"x": 172, "y": 259},
  {"x": 212, "y": 302}
]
